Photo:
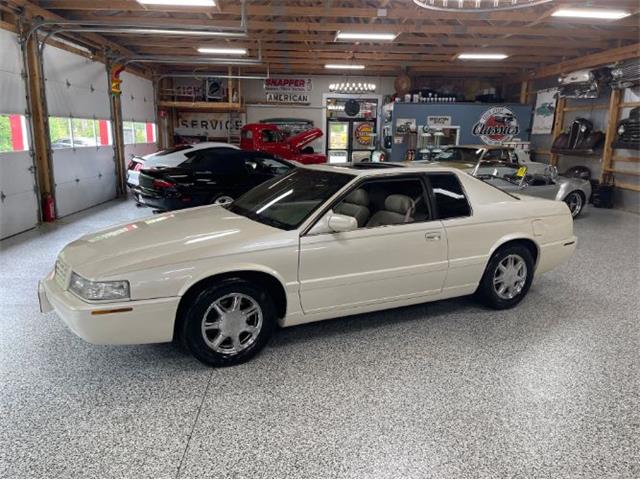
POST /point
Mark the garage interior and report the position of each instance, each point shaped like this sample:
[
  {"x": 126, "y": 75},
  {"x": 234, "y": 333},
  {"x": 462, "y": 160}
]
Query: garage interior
[{"x": 448, "y": 389}]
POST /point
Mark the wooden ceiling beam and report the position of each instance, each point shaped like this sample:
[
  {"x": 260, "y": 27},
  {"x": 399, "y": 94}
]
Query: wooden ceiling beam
[
  {"x": 409, "y": 27},
  {"x": 36, "y": 11},
  {"x": 253, "y": 10}
]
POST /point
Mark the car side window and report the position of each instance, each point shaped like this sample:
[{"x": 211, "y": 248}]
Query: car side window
[
  {"x": 219, "y": 163},
  {"x": 449, "y": 197},
  {"x": 271, "y": 136},
  {"x": 383, "y": 202},
  {"x": 265, "y": 165}
]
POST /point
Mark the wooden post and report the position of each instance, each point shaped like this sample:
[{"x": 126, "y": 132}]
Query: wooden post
[
  {"x": 38, "y": 117},
  {"x": 524, "y": 92},
  {"x": 610, "y": 133},
  {"x": 117, "y": 134},
  {"x": 558, "y": 126}
]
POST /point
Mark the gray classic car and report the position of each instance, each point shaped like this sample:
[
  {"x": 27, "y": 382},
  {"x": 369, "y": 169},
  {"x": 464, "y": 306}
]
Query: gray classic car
[
  {"x": 512, "y": 171},
  {"x": 575, "y": 192}
]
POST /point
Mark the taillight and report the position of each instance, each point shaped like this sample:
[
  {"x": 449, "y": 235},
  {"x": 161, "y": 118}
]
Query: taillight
[
  {"x": 137, "y": 167},
  {"x": 162, "y": 184}
]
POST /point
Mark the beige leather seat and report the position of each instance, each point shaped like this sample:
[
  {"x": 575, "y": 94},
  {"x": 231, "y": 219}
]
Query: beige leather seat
[
  {"x": 397, "y": 209},
  {"x": 355, "y": 205}
]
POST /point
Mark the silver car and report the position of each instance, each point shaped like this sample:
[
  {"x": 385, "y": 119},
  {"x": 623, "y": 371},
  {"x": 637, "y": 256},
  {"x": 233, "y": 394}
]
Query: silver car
[{"x": 575, "y": 192}]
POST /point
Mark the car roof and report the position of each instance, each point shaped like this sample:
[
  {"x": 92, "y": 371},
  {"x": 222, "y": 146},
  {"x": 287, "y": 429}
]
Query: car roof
[
  {"x": 390, "y": 168},
  {"x": 203, "y": 145}
]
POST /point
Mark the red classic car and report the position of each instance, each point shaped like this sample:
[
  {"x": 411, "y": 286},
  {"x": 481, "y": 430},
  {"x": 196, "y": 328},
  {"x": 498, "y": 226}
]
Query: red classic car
[{"x": 266, "y": 137}]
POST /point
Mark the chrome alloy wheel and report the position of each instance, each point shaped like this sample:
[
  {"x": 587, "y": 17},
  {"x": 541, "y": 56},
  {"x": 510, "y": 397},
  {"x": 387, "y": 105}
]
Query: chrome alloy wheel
[
  {"x": 574, "y": 200},
  {"x": 232, "y": 323},
  {"x": 510, "y": 277},
  {"x": 223, "y": 200}
]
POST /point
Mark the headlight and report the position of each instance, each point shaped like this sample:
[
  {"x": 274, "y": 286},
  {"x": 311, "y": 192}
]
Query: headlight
[
  {"x": 621, "y": 130},
  {"x": 88, "y": 290}
]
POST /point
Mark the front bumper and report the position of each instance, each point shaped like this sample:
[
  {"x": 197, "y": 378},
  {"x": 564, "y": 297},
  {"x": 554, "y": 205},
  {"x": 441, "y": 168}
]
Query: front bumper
[{"x": 132, "y": 322}]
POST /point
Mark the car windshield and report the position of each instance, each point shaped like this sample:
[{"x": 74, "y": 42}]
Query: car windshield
[
  {"x": 465, "y": 155},
  {"x": 502, "y": 172},
  {"x": 286, "y": 201}
]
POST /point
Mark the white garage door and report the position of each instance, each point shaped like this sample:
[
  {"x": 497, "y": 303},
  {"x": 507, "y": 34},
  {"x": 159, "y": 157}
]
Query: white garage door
[
  {"x": 18, "y": 197},
  {"x": 138, "y": 115},
  {"x": 79, "y": 113}
]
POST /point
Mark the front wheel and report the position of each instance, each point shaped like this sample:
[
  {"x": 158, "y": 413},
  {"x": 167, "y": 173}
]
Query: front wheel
[
  {"x": 575, "y": 201},
  {"x": 507, "y": 277},
  {"x": 223, "y": 200},
  {"x": 228, "y": 323}
]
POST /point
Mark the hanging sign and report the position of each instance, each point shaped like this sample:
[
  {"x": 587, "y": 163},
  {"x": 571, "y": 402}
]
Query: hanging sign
[
  {"x": 288, "y": 84},
  {"x": 206, "y": 124},
  {"x": 438, "y": 121},
  {"x": 496, "y": 126},
  {"x": 292, "y": 97},
  {"x": 545, "y": 111}
]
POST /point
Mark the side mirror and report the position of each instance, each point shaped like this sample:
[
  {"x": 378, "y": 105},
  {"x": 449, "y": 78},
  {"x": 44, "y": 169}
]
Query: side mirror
[{"x": 342, "y": 223}]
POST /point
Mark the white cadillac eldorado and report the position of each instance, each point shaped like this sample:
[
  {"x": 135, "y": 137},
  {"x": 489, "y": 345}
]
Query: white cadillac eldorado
[{"x": 319, "y": 242}]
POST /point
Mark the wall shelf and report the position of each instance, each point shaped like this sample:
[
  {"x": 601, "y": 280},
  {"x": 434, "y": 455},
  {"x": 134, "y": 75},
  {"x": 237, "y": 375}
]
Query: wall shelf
[{"x": 202, "y": 106}]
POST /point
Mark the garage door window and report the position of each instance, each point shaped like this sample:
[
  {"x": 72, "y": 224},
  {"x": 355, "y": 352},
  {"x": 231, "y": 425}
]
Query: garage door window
[
  {"x": 79, "y": 132},
  {"x": 13, "y": 133},
  {"x": 139, "y": 132}
]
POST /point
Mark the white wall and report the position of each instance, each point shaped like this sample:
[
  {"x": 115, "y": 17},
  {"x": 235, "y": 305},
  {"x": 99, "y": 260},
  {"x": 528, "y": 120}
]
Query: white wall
[
  {"x": 254, "y": 93},
  {"x": 18, "y": 198}
]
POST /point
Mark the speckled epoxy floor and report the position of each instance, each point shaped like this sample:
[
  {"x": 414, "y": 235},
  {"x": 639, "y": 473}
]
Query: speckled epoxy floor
[{"x": 550, "y": 389}]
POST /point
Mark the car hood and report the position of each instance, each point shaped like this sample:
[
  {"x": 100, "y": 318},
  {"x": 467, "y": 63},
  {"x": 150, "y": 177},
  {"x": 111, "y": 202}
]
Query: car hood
[
  {"x": 298, "y": 141},
  {"x": 168, "y": 239}
]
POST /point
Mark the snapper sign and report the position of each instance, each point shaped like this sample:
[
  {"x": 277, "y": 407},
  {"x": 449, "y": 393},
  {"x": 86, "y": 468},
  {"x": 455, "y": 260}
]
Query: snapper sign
[
  {"x": 288, "y": 85},
  {"x": 497, "y": 126}
]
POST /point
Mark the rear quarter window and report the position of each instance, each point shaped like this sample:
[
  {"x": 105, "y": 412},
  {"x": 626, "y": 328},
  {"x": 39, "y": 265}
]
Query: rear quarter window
[{"x": 448, "y": 195}]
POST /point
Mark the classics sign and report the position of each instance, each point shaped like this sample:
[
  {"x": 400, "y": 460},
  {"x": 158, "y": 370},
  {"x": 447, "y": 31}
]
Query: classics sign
[{"x": 496, "y": 126}]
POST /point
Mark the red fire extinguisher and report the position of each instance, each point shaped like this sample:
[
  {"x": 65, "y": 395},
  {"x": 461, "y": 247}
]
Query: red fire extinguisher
[{"x": 48, "y": 208}]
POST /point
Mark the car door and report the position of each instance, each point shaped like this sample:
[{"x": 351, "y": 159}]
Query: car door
[{"x": 380, "y": 261}]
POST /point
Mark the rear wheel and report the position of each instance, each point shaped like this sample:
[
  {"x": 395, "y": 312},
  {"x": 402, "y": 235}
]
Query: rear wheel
[
  {"x": 228, "y": 323},
  {"x": 507, "y": 277},
  {"x": 575, "y": 201}
]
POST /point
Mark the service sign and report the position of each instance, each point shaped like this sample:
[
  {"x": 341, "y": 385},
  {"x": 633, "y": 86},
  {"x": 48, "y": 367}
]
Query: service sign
[
  {"x": 214, "y": 125},
  {"x": 438, "y": 121},
  {"x": 288, "y": 84},
  {"x": 496, "y": 126},
  {"x": 289, "y": 97}
]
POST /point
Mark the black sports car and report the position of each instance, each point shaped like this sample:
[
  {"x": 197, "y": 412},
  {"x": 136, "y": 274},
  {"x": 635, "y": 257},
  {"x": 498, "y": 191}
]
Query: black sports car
[{"x": 211, "y": 177}]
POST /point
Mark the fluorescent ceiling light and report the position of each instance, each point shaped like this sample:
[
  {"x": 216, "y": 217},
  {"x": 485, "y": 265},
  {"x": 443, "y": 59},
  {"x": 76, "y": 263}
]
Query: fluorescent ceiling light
[
  {"x": 180, "y": 3},
  {"x": 223, "y": 51},
  {"x": 340, "y": 66},
  {"x": 366, "y": 36},
  {"x": 482, "y": 56},
  {"x": 197, "y": 33},
  {"x": 591, "y": 13}
]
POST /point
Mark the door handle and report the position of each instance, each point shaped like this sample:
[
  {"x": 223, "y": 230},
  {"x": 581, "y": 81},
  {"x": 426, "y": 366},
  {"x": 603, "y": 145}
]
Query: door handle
[{"x": 432, "y": 236}]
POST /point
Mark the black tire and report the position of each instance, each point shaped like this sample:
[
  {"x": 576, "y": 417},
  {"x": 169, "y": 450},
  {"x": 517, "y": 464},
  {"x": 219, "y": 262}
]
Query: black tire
[
  {"x": 578, "y": 206},
  {"x": 191, "y": 331},
  {"x": 488, "y": 290}
]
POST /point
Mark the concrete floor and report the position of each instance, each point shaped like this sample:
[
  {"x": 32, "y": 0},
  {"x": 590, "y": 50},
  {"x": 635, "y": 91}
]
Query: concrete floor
[{"x": 550, "y": 389}]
